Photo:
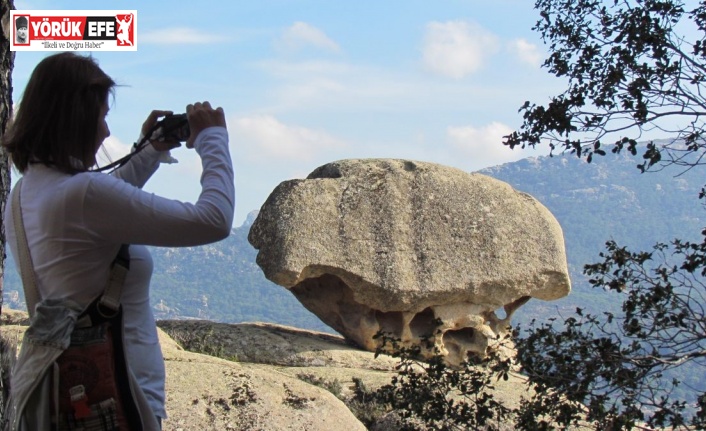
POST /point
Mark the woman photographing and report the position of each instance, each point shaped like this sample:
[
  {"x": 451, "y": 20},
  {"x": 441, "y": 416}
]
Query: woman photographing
[{"x": 76, "y": 219}]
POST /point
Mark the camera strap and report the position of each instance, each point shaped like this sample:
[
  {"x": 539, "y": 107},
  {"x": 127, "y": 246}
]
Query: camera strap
[{"x": 136, "y": 148}]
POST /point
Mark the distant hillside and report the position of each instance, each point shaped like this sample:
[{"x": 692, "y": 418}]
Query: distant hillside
[
  {"x": 608, "y": 198},
  {"x": 218, "y": 282},
  {"x": 222, "y": 282}
]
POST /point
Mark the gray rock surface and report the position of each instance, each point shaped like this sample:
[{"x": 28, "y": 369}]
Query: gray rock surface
[
  {"x": 394, "y": 245},
  {"x": 274, "y": 381},
  {"x": 205, "y": 392}
]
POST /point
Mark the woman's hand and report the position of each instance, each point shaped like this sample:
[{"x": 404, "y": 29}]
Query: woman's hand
[
  {"x": 201, "y": 116},
  {"x": 149, "y": 123}
]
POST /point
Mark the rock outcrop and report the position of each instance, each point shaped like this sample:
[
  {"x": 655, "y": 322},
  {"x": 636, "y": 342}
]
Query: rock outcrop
[
  {"x": 210, "y": 393},
  {"x": 205, "y": 392},
  {"x": 401, "y": 246},
  {"x": 274, "y": 380}
]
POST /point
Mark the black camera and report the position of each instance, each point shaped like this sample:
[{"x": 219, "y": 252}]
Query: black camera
[{"x": 173, "y": 127}]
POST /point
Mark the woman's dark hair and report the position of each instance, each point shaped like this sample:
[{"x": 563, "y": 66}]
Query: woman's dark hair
[{"x": 57, "y": 119}]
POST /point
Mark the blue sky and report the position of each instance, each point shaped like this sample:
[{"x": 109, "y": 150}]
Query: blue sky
[{"x": 307, "y": 82}]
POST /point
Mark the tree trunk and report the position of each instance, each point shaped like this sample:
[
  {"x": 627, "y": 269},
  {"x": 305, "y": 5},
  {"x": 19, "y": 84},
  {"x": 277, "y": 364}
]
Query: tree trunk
[{"x": 7, "y": 62}]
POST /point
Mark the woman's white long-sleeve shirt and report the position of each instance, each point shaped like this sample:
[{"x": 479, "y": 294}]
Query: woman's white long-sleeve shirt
[{"x": 75, "y": 225}]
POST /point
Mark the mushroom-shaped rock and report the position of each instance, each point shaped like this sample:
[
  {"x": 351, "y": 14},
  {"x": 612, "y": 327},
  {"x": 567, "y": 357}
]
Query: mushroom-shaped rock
[{"x": 403, "y": 246}]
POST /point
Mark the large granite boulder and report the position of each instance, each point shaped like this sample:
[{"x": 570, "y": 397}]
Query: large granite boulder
[{"x": 403, "y": 246}]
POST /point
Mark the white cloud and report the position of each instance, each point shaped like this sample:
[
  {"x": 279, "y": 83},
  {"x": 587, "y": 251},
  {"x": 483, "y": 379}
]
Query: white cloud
[
  {"x": 527, "y": 52},
  {"x": 483, "y": 146},
  {"x": 338, "y": 86},
  {"x": 457, "y": 48},
  {"x": 301, "y": 34},
  {"x": 265, "y": 137},
  {"x": 180, "y": 35}
]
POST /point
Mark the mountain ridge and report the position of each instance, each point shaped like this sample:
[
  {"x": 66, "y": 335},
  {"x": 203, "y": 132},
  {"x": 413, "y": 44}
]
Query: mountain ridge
[{"x": 593, "y": 202}]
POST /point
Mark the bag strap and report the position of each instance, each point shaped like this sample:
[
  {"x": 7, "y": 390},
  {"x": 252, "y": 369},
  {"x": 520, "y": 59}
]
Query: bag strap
[
  {"x": 29, "y": 279},
  {"x": 110, "y": 299},
  {"x": 114, "y": 287}
]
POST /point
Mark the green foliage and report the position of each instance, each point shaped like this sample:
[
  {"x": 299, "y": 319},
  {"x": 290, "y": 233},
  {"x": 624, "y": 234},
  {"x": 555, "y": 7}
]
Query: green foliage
[
  {"x": 629, "y": 70},
  {"x": 364, "y": 404},
  {"x": 619, "y": 369},
  {"x": 332, "y": 386},
  {"x": 429, "y": 394},
  {"x": 295, "y": 401}
]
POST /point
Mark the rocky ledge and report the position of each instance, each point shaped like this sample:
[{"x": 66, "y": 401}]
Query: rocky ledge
[{"x": 266, "y": 377}]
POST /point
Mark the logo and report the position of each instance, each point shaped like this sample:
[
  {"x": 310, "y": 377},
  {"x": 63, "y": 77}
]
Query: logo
[{"x": 78, "y": 30}]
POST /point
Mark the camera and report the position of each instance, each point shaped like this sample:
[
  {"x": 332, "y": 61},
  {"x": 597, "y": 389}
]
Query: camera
[{"x": 173, "y": 127}]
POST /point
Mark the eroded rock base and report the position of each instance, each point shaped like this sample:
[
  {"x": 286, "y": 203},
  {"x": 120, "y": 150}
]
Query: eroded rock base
[{"x": 453, "y": 330}]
